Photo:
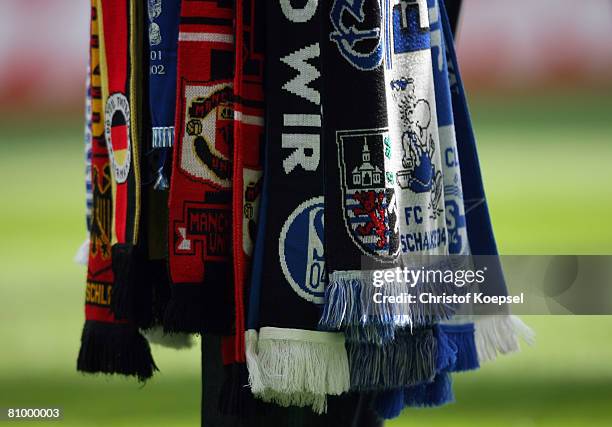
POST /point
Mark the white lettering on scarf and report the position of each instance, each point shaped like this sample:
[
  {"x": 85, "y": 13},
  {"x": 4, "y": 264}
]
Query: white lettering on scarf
[{"x": 306, "y": 147}]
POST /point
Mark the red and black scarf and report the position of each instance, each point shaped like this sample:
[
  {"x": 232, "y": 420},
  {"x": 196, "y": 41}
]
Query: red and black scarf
[
  {"x": 109, "y": 345},
  {"x": 200, "y": 220}
]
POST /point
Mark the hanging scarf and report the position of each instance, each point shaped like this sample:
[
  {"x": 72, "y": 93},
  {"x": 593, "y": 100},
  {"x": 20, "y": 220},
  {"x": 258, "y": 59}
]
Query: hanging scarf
[
  {"x": 160, "y": 38},
  {"x": 290, "y": 363},
  {"x": 162, "y": 42},
  {"x": 108, "y": 345},
  {"x": 121, "y": 100},
  {"x": 374, "y": 210},
  {"x": 248, "y": 140},
  {"x": 454, "y": 334},
  {"x": 387, "y": 200},
  {"x": 500, "y": 332},
  {"x": 248, "y": 185},
  {"x": 199, "y": 227},
  {"x": 459, "y": 330}
]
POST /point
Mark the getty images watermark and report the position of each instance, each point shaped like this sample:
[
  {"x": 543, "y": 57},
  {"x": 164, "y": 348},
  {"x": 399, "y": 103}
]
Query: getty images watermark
[
  {"x": 436, "y": 286},
  {"x": 491, "y": 284}
]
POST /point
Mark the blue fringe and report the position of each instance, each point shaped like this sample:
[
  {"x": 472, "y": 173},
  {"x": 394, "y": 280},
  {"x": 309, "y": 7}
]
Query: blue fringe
[
  {"x": 446, "y": 356},
  {"x": 409, "y": 359},
  {"x": 462, "y": 337},
  {"x": 342, "y": 306},
  {"x": 344, "y": 309},
  {"x": 436, "y": 393},
  {"x": 389, "y": 404}
]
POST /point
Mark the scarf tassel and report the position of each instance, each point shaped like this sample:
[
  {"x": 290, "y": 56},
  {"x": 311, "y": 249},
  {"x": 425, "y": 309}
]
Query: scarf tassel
[
  {"x": 436, "y": 393},
  {"x": 296, "y": 367},
  {"x": 462, "y": 337},
  {"x": 500, "y": 335},
  {"x": 349, "y": 306},
  {"x": 191, "y": 310},
  {"x": 446, "y": 351},
  {"x": 350, "y": 302},
  {"x": 409, "y": 359},
  {"x": 389, "y": 404},
  {"x": 115, "y": 349}
]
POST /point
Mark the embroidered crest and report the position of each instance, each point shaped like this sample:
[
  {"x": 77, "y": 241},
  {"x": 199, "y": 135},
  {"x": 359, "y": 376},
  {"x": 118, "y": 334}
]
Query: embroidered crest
[
  {"x": 369, "y": 199},
  {"x": 207, "y": 139},
  {"x": 301, "y": 250},
  {"x": 361, "y": 47},
  {"x": 117, "y": 134}
]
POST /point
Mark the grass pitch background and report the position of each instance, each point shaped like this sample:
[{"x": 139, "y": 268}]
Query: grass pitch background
[{"x": 546, "y": 164}]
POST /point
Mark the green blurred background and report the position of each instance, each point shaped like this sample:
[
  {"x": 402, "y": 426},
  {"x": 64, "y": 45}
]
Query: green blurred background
[
  {"x": 538, "y": 76},
  {"x": 546, "y": 163}
]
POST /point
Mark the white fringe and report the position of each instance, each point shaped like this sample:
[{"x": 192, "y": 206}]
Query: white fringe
[
  {"x": 500, "y": 335},
  {"x": 82, "y": 255},
  {"x": 178, "y": 341},
  {"x": 252, "y": 361},
  {"x": 297, "y": 367}
]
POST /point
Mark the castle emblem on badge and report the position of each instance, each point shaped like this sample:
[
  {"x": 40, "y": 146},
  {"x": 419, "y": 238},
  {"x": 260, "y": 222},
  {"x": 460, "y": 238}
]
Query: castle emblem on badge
[{"x": 370, "y": 207}]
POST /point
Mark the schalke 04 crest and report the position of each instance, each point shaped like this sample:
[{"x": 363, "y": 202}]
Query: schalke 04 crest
[{"x": 368, "y": 193}]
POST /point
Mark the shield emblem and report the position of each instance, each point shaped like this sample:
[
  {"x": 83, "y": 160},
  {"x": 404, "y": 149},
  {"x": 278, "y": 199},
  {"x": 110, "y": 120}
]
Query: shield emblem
[{"x": 368, "y": 192}]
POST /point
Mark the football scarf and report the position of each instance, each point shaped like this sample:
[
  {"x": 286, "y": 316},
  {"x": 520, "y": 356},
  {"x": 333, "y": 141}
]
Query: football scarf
[
  {"x": 497, "y": 333},
  {"x": 120, "y": 95},
  {"x": 387, "y": 199},
  {"x": 200, "y": 222},
  {"x": 368, "y": 200},
  {"x": 460, "y": 332},
  {"x": 108, "y": 345},
  {"x": 290, "y": 363},
  {"x": 248, "y": 185},
  {"x": 163, "y": 39},
  {"x": 248, "y": 145}
]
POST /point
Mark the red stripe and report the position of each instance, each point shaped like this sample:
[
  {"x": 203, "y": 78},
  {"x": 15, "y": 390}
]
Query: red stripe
[
  {"x": 99, "y": 314},
  {"x": 115, "y": 20},
  {"x": 121, "y": 211},
  {"x": 205, "y": 10},
  {"x": 119, "y": 137}
]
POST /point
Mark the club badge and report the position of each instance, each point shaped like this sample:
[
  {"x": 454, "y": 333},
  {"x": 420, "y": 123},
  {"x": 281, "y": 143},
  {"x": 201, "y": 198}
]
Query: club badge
[
  {"x": 207, "y": 139},
  {"x": 117, "y": 133},
  {"x": 368, "y": 193}
]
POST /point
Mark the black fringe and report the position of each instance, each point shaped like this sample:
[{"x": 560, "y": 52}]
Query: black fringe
[
  {"x": 112, "y": 348},
  {"x": 198, "y": 309}
]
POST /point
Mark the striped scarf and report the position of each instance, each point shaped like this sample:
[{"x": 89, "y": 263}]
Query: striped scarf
[{"x": 109, "y": 345}]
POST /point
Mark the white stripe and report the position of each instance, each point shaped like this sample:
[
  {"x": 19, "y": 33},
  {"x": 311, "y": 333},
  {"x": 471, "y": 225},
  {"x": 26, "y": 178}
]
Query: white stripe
[
  {"x": 306, "y": 120},
  {"x": 248, "y": 119},
  {"x": 206, "y": 37}
]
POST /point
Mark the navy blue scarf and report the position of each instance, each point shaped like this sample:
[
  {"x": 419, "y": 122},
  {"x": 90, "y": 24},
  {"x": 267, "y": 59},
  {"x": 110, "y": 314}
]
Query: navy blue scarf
[{"x": 163, "y": 41}]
